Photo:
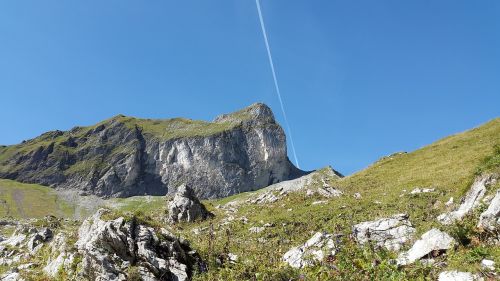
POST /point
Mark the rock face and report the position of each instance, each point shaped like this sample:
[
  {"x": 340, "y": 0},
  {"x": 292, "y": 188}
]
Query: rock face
[
  {"x": 490, "y": 219},
  {"x": 390, "y": 233},
  {"x": 186, "y": 207},
  {"x": 318, "y": 247},
  {"x": 471, "y": 200},
  {"x": 111, "y": 248},
  {"x": 432, "y": 240},
  {"x": 126, "y": 156}
]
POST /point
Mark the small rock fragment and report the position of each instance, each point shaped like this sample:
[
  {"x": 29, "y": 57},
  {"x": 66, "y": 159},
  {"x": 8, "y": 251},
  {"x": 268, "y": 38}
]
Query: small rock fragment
[
  {"x": 488, "y": 264},
  {"x": 421, "y": 190}
]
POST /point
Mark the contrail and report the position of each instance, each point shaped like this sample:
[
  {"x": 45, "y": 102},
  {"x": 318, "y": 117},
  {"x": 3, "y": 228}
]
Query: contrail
[{"x": 264, "y": 33}]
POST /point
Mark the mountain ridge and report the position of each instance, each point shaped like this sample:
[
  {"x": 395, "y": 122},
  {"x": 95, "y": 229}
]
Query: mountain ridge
[{"x": 125, "y": 156}]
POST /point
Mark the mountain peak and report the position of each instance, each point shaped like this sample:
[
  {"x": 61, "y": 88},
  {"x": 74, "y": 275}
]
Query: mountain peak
[{"x": 258, "y": 113}]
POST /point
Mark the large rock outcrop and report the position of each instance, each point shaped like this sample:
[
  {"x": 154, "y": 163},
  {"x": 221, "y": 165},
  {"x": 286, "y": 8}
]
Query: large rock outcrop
[
  {"x": 317, "y": 248},
  {"x": 112, "y": 249},
  {"x": 126, "y": 156},
  {"x": 186, "y": 207},
  {"x": 433, "y": 240},
  {"x": 391, "y": 233},
  {"x": 490, "y": 219},
  {"x": 470, "y": 201}
]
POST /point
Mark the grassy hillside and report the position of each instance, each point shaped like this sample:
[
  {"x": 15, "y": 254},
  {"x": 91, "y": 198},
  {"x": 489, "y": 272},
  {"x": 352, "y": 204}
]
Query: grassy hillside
[
  {"x": 18, "y": 200},
  {"x": 448, "y": 165}
]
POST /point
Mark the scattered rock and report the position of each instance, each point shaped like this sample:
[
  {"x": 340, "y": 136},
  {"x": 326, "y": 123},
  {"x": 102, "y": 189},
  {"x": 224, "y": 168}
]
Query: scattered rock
[
  {"x": 42, "y": 236},
  {"x": 390, "y": 233},
  {"x": 266, "y": 197},
  {"x": 315, "y": 182},
  {"x": 421, "y": 190},
  {"x": 109, "y": 248},
  {"x": 471, "y": 200},
  {"x": 11, "y": 276},
  {"x": 319, "y": 246},
  {"x": 488, "y": 264},
  {"x": 319, "y": 202},
  {"x": 490, "y": 219},
  {"x": 433, "y": 241},
  {"x": 256, "y": 229},
  {"x": 458, "y": 276},
  {"x": 329, "y": 192},
  {"x": 232, "y": 258},
  {"x": 186, "y": 207},
  {"x": 449, "y": 202},
  {"x": 357, "y": 195}
]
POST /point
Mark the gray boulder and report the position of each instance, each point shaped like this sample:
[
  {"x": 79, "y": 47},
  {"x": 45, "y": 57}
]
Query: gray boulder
[
  {"x": 470, "y": 201},
  {"x": 490, "y": 219},
  {"x": 40, "y": 237},
  {"x": 391, "y": 233},
  {"x": 186, "y": 207},
  {"x": 318, "y": 247},
  {"x": 110, "y": 248},
  {"x": 432, "y": 240}
]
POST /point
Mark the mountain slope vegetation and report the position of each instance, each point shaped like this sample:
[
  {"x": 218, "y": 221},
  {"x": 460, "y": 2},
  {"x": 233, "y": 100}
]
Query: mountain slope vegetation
[{"x": 259, "y": 227}]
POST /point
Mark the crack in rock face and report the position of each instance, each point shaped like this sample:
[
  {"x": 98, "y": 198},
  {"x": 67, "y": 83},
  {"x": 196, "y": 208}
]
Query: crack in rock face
[
  {"x": 391, "y": 233},
  {"x": 110, "y": 248},
  {"x": 432, "y": 240},
  {"x": 470, "y": 201},
  {"x": 318, "y": 247}
]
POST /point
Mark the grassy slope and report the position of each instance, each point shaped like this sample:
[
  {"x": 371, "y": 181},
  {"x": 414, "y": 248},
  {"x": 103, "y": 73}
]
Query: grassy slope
[
  {"x": 448, "y": 165},
  {"x": 18, "y": 200}
]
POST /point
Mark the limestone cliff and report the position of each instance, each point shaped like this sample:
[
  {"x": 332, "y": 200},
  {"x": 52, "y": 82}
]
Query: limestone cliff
[{"x": 125, "y": 156}]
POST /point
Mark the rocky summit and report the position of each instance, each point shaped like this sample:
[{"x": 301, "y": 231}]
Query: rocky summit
[{"x": 125, "y": 156}]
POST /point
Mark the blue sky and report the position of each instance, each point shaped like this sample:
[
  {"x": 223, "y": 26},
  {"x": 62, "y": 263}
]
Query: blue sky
[{"x": 359, "y": 79}]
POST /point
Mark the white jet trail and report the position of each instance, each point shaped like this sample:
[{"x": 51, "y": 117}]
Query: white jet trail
[{"x": 264, "y": 33}]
